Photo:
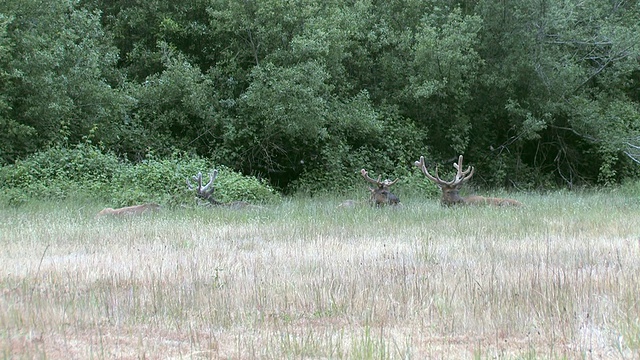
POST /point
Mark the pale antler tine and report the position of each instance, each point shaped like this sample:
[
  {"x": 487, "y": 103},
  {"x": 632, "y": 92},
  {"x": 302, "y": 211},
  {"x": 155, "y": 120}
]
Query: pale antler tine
[
  {"x": 423, "y": 167},
  {"x": 470, "y": 171},
  {"x": 211, "y": 177},
  {"x": 419, "y": 163},
  {"x": 198, "y": 180},
  {"x": 366, "y": 176},
  {"x": 438, "y": 180},
  {"x": 462, "y": 176},
  {"x": 467, "y": 174},
  {"x": 458, "y": 167},
  {"x": 435, "y": 177}
]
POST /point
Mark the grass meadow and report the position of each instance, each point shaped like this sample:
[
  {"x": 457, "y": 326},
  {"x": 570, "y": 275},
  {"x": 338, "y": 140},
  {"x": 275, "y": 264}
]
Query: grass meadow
[{"x": 556, "y": 279}]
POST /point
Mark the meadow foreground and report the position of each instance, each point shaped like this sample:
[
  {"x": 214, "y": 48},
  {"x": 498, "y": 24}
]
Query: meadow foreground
[{"x": 556, "y": 278}]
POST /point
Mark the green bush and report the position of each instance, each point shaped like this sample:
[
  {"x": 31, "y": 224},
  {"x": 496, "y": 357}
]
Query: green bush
[
  {"x": 59, "y": 173},
  {"x": 85, "y": 172},
  {"x": 164, "y": 181}
]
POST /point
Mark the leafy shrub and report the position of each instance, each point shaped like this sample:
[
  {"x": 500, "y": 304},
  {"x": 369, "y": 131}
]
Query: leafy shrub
[
  {"x": 232, "y": 186},
  {"x": 164, "y": 181},
  {"x": 84, "y": 171},
  {"x": 58, "y": 173}
]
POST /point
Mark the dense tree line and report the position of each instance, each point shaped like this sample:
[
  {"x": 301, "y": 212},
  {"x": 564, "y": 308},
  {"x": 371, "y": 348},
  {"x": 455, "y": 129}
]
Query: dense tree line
[{"x": 304, "y": 93}]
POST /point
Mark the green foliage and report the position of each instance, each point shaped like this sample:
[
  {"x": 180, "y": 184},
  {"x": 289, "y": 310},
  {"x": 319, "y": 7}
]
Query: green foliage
[
  {"x": 382, "y": 142},
  {"x": 86, "y": 172},
  {"x": 164, "y": 181},
  {"x": 557, "y": 86},
  {"x": 172, "y": 109},
  {"x": 233, "y": 186},
  {"x": 59, "y": 173},
  {"x": 306, "y": 93},
  {"x": 63, "y": 77},
  {"x": 12, "y": 133}
]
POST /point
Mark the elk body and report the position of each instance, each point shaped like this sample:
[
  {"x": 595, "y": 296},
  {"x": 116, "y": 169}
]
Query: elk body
[
  {"x": 380, "y": 194},
  {"x": 129, "y": 210},
  {"x": 451, "y": 189}
]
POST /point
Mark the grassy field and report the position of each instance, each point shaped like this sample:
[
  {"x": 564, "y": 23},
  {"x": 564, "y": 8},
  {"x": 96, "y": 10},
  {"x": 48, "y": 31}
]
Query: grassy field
[{"x": 558, "y": 278}]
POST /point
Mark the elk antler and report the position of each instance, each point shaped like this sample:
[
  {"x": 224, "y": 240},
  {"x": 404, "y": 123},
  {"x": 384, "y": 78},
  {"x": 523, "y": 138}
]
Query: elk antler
[
  {"x": 460, "y": 178},
  {"x": 203, "y": 192},
  {"x": 380, "y": 184}
]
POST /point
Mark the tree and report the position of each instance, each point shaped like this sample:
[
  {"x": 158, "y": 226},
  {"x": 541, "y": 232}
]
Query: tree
[
  {"x": 63, "y": 82},
  {"x": 13, "y": 135},
  {"x": 552, "y": 69}
]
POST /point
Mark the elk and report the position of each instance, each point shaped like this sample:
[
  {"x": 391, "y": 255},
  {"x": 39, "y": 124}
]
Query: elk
[
  {"x": 206, "y": 192},
  {"x": 451, "y": 189},
  {"x": 380, "y": 194},
  {"x": 129, "y": 210}
]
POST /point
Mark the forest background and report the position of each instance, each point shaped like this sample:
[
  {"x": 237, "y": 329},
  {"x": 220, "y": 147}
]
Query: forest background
[{"x": 302, "y": 94}]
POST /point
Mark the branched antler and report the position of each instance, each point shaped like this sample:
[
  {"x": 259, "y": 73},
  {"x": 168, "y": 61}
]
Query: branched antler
[
  {"x": 381, "y": 195},
  {"x": 204, "y": 192},
  {"x": 380, "y": 184},
  {"x": 451, "y": 189},
  {"x": 460, "y": 178}
]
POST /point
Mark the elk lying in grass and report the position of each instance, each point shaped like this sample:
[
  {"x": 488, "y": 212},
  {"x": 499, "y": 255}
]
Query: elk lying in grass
[
  {"x": 129, "y": 210},
  {"x": 380, "y": 194},
  {"x": 348, "y": 204},
  {"x": 206, "y": 192},
  {"x": 451, "y": 189}
]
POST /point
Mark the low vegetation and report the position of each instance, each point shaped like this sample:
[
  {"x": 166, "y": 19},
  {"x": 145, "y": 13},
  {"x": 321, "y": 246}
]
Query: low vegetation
[
  {"x": 301, "y": 278},
  {"x": 89, "y": 173}
]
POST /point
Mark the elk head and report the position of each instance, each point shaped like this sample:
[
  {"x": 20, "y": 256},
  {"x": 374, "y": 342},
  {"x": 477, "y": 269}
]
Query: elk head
[
  {"x": 451, "y": 189},
  {"x": 204, "y": 192},
  {"x": 380, "y": 194}
]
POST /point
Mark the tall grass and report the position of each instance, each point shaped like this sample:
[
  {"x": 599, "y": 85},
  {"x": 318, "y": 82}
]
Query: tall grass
[{"x": 558, "y": 278}]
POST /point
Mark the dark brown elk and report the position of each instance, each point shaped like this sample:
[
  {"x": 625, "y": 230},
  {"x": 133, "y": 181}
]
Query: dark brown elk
[
  {"x": 451, "y": 189},
  {"x": 380, "y": 194}
]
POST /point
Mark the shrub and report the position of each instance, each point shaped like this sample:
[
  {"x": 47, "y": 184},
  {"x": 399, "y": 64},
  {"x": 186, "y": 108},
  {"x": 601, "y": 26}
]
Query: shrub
[
  {"x": 85, "y": 172},
  {"x": 59, "y": 173},
  {"x": 164, "y": 181}
]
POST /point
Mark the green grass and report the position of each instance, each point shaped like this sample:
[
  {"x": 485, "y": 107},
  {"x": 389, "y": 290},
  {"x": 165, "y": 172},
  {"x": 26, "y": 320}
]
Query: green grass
[{"x": 557, "y": 278}]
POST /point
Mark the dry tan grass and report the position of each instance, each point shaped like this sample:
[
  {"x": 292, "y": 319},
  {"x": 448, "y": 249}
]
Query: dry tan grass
[{"x": 558, "y": 278}]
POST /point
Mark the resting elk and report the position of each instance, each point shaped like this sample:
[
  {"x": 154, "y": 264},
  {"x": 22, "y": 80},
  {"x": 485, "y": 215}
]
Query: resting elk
[
  {"x": 380, "y": 194},
  {"x": 129, "y": 210},
  {"x": 206, "y": 192},
  {"x": 451, "y": 189}
]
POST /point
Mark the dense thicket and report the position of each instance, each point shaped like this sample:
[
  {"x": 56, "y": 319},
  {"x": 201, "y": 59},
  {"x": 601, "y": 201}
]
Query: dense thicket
[
  {"x": 84, "y": 172},
  {"x": 304, "y": 93}
]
